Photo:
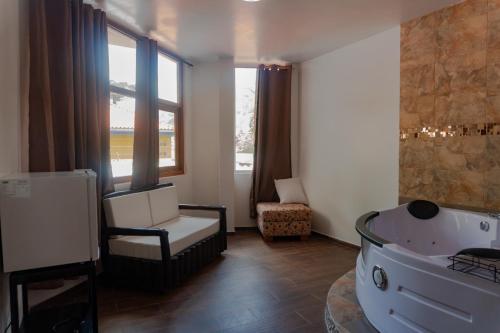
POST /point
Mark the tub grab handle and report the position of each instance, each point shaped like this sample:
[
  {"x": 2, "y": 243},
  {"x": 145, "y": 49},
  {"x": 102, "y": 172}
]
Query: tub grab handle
[
  {"x": 364, "y": 231},
  {"x": 481, "y": 252}
]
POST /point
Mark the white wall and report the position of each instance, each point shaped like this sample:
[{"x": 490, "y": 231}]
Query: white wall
[
  {"x": 213, "y": 135},
  {"x": 295, "y": 120},
  {"x": 9, "y": 112},
  {"x": 349, "y": 130},
  {"x": 205, "y": 133},
  {"x": 242, "y": 188},
  {"x": 226, "y": 137}
]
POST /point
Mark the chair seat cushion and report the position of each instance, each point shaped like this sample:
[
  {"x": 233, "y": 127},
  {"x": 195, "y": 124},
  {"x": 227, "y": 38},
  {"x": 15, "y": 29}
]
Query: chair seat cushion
[
  {"x": 183, "y": 232},
  {"x": 276, "y": 212}
]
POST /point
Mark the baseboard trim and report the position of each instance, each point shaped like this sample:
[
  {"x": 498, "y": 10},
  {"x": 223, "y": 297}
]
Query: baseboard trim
[
  {"x": 236, "y": 229},
  {"x": 245, "y": 228},
  {"x": 341, "y": 242}
]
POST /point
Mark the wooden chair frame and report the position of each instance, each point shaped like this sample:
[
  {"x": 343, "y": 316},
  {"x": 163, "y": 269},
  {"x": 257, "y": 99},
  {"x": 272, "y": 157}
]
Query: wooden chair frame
[{"x": 164, "y": 274}]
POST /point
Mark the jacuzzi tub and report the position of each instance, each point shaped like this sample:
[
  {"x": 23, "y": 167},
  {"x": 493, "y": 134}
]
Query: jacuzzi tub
[{"x": 403, "y": 279}]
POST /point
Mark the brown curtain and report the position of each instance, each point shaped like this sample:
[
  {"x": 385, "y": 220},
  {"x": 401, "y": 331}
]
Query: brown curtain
[
  {"x": 146, "y": 128},
  {"x": 272, "y": 154},
  {"x": 69, "y": 89}
]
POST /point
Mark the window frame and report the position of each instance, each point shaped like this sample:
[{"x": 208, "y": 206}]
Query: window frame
[{"x": 163, "y": 105}]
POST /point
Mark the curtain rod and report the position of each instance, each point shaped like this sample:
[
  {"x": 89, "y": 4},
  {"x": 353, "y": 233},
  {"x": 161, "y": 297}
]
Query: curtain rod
[
  {"x": 128, "y": 32},
  {"x": 275, "y": 67}
]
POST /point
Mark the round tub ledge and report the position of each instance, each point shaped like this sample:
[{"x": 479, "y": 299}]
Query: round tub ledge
[{"x": 343, "y": 314}]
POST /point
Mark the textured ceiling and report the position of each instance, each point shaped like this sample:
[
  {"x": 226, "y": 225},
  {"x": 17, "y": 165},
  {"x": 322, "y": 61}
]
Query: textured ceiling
[{"x": 265, "y": 31}]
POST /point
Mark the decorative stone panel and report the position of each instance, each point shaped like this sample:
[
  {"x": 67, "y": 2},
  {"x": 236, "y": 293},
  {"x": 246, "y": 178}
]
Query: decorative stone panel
[{"x": 450, "y": 106}]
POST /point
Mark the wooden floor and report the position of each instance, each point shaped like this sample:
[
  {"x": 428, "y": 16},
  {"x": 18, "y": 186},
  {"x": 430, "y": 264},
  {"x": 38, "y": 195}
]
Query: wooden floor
[{"x": 254, "y": 287}]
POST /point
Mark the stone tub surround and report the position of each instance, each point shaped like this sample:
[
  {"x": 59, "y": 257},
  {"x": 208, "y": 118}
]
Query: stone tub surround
[
  {"x": 462, "y": 170},
  {"x": 343, "y": 314},
  {"x": 450, "y": 106}
]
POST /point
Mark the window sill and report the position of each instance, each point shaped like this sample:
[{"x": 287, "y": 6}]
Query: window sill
[
  {"x": 121, "y": 180},
  {"x": 170, "y": 172},
  {"x": 243, "y": 172},
  {"x": 166, "y": 172}
]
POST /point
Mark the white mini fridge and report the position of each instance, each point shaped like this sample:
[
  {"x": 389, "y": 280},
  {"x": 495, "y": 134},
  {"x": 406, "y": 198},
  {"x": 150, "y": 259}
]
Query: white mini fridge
[{"x": 48, "y": 219}]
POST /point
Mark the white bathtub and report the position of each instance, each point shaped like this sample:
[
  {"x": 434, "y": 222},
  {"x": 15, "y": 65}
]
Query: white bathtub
[{"x": 403, "y": 282}]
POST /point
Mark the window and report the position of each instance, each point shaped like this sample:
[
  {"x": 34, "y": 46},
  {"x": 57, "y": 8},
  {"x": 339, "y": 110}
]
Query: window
[
  {"x": 122, "y": 76},
  {"x": 167, "y": 139},
  {"x": 167, "y": 79},
  {"x": 122, "y": 53},
  {"x": 245, "y": 84},
  {"x": 169, "y": 102}
]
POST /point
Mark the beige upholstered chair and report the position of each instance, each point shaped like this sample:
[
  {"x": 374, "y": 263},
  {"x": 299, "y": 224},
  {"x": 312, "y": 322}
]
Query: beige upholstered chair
[{"x": 275, "y": 219}]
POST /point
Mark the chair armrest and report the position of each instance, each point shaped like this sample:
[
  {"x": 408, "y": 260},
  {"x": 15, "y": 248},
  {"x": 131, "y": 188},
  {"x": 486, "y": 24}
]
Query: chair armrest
[
  {"x": 202, "y": 207},
  {"x": 153, "y": 232},
  {"x": 112, "y": 231},
  {"x": 221, "y": 209}
]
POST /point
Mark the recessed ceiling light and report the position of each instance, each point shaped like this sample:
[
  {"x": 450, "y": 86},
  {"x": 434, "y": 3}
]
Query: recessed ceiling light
[{"x": 251, "y": 0}]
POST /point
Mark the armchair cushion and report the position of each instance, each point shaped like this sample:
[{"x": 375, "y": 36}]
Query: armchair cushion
[
  {"x": 128, "y": 211},
  {"x": 275, "y": 219},
  {"x": 164, "y": 204},
  {"x": 183, "y": 232},
  {"x": 276, "y": 212}
]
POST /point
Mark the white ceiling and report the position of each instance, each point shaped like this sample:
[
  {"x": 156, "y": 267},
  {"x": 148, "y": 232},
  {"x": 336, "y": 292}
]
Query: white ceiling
[{"x": 265, "y": 31}]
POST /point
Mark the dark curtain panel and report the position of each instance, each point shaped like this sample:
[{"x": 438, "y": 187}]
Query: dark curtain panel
[
  {"x": 272, "y": 155},
  {"x": 69, "y": 90},
  {"x": 146, "y": 128}
]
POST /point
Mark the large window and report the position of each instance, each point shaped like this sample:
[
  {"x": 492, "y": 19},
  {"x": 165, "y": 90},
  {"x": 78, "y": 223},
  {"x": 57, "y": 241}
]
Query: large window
[
  {"x": 122, "y": 76},
  {"x": 245, "y": 84}
]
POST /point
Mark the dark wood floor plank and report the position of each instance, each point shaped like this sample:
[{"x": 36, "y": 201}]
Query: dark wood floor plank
[
  {"x": 278, "y": 286},
  {"x": 256, "y": 287}
]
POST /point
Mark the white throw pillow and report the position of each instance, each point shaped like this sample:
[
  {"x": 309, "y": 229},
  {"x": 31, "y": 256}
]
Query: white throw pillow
[{"x": 290, "y": 191}]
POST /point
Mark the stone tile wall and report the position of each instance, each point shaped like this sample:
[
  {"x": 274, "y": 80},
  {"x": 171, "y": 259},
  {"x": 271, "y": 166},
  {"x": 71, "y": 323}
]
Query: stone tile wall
[{"x": 450, "y": 106}]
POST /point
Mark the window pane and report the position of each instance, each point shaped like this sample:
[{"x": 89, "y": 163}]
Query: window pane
[
  {"x": 245, "y": 81},
  {"x": 122, "y": 134},
  {"x": 121, "y": 60},
  {"x": 167, "y": 139},
  {"x": 167, "y": 78}
]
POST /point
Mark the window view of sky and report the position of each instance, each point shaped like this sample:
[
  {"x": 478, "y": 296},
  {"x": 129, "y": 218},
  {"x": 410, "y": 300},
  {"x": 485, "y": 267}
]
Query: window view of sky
[
  {"x": 122, "y": 66},
  {"x": 245, "y": 84},
  {"x": 167, "y": 79}
]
